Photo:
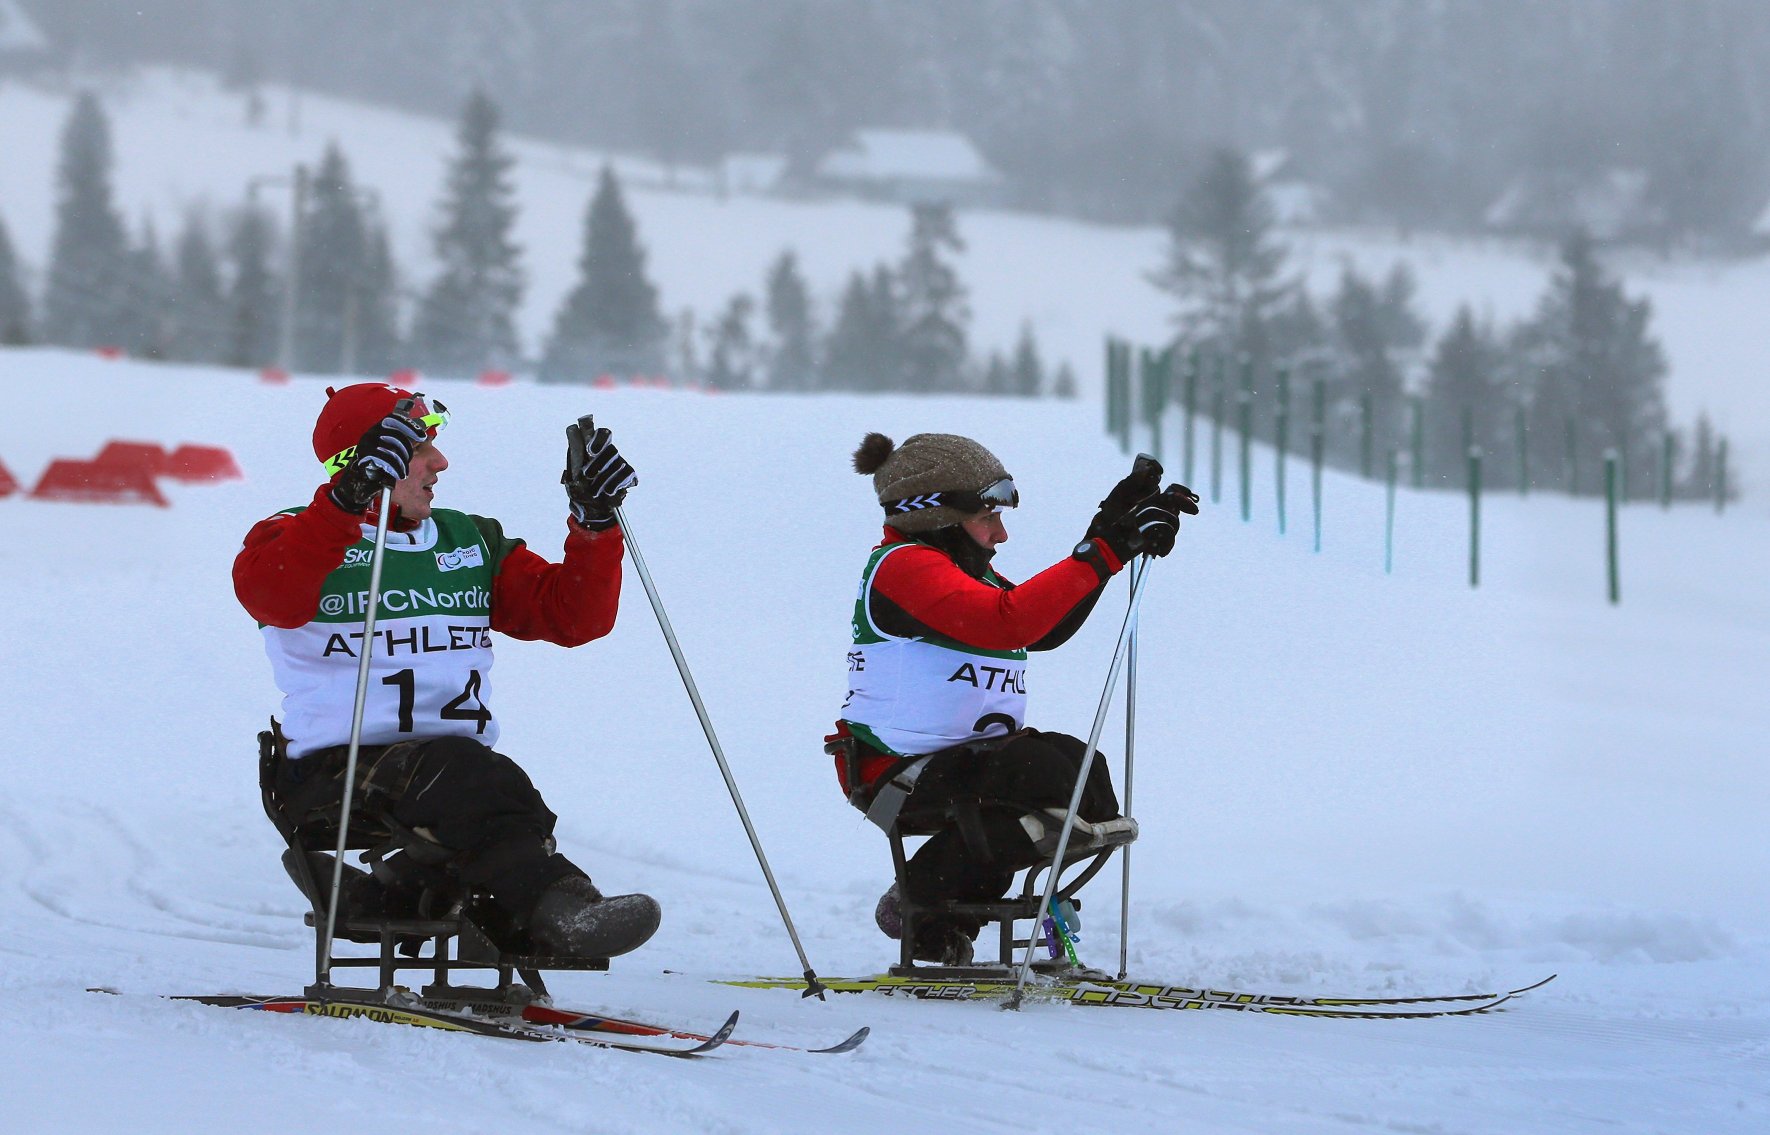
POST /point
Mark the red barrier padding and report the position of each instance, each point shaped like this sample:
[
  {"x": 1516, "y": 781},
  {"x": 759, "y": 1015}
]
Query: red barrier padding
[
  {"x": 148, "y": 456},
  {"x": 494, "y": 378},
  {"x": 405, "y": 379},
  {"x": 8, "y": 485},
  {"x": 202, "y": 463},
  {"x": 604, "y": 382},
  {"x": 109, "y": 352},
  {"x": 90, "y": 482},
  {"x": 275, "y": 376}
]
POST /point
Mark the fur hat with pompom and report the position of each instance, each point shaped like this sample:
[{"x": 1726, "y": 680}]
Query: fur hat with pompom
[{"x": 923, "y": 464}]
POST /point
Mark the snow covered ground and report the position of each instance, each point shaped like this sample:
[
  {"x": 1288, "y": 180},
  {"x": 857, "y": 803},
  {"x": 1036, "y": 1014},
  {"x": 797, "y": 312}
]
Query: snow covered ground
[
  {"x": 182, "y": 143},
  {"x": 1348, "y": 782}
]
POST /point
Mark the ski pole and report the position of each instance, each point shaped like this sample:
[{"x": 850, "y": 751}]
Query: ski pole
[
  {"x": 356, "y": 735},
  {"x": 813, "y": 987},
  {"x": 1137, "y": 570},
  {"x": 1075, "y": 798}
]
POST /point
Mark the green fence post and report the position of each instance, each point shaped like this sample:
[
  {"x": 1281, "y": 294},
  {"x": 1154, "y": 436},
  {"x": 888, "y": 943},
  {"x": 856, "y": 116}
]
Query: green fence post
[
  {"x": 1570, "y": 468},
  {"x": 1111, "y": 387},
  {"x": 1191, "y": 395},
  {"x": 1523, "y": 452},
  {"x": 1389, "y": 513},
  {"x": 1418, "y": 407},
  {"x": 1367, "y": 433},
  {"x": 1220, "y": 377},
  {"x": 1666, "y": 456},
  {"x": 1468, "y": 427},
  {"x": 1317, "y": 446},
  {"x": 1155, "y": 395},
  {"x": 1611, "y": 492},
  {"x": 1721, "y": 476},
  {"x": 1128, "y": 395},
  {"x": 1245, "y": 426},
  {"x": 1474, "y": 517},
  {"x": 1281, "y": 429}
]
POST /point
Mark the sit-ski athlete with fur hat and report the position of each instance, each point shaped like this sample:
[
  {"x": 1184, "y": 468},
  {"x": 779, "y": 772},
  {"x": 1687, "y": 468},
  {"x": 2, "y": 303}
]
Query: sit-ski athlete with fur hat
[{"x": 938, "y": 666}]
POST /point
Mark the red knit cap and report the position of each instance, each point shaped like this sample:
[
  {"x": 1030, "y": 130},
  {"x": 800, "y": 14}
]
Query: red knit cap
[{"x": 349, "y": 413}]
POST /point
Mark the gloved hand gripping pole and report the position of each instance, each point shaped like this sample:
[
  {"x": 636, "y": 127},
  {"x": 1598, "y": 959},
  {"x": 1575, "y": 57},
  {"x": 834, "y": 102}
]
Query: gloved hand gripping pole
[
  {"x": 384, "y": 509},
  {"x": 1075, "y": 798},
  {"x": 813, "y": 987}
]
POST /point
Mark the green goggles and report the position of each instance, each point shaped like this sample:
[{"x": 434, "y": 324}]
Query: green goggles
[{"x": 432, "y": 422}]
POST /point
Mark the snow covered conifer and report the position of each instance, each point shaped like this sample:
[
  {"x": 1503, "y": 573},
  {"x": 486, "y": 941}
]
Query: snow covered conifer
[
  {"x": 1028, "y": 377},
  {"x": 1224, "y": 265},
  {"x": 254, "y": 293},
  {"x": 15, "y": 302},
  {"x": 1468, "y": 387},
  {"x": 610, "y": 323},
  {"x": 466, "y": 321},
  {"x": 731, "y": 360},
  {"x": 791, "y": 362},
  {"x": 934, "y": 309},
  {"x": 199, "y": 307},
  {"x": 89, "y": 258},
  {"x": 1595, "y": 365},
  {"x": 334, "y": 257}
]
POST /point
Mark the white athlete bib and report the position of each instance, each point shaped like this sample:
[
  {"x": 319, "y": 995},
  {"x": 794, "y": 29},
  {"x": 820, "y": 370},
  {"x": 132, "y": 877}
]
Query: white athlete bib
[
  {"x": 430, "y": 675},
  {"x": 917, "y": 695}
]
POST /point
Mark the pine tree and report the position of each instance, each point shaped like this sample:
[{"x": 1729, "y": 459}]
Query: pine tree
[
  {"x": 148, "y": 299},
  {"x": 334, "y": 248},
  {"x": 1064, "y": 385},
  {"x": 1224, "y": 265},
  {"x": 851, "y": 352},
  {"x": 253, "y": 294},
  {"x": 1469, "y": 400},
  {"x": 1699, "y": 479},
  {"x": 377, "y": 346},
  {"x": 610, "y": 323},
  {"x": 1596, "y": 367},
  {"x": 199, "y": 314},
  {"x": 731, "y": 363},
  {"x": 15, "y": 302},
  {"x": 1028, "y": 370},
  {"x": 998, "y": 376},
  {"x": 83, "y": 304},
  {"x": 1368, "y": 374},
  {"x": 934, "y": 309},
  {"x": 466, "y": 321},
  {"x": 791, "y": 361}
]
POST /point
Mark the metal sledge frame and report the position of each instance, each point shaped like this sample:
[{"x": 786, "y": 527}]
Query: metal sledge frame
[
  {"x": 884, "y": 805},
  {"x": 472, "y": 950},
  {"x": 965, "y": 813}
]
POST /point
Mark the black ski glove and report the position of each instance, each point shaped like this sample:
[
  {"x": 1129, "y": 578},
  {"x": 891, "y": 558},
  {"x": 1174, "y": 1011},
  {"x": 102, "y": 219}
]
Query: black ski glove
[
  {"x": 1149, "y": 528},
  {"x": 596, "y": 476},
  {"x": 383, "y": 455},
  {"x": 1143, "y": 481}
]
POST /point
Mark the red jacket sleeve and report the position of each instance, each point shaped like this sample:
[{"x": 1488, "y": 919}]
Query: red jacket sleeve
[
  {"x": 934, "y": 591},
  {"x": 284, "y": 563},
  {"x": 568, "y": 603}
]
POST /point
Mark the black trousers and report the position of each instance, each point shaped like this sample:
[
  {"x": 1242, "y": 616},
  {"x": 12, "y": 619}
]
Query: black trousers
[
  {"x": 475, "y": 804},
  {"x": 1032, "y": 771}
]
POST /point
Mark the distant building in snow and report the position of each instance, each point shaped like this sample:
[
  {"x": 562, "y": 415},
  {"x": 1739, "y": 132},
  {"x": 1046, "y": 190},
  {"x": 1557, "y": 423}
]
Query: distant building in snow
[
  {"x": 1611, "y": 206},
  {"x": 1294, "y": 201},
  {"x": 23, "y": 46},
  {"x": 751, "y": 173},
  {"x": 910, "y": 166}
]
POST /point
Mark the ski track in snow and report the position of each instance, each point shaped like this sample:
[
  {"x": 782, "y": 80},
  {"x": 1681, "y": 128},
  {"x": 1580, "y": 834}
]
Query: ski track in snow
[{"x": 1285, "y": 845}]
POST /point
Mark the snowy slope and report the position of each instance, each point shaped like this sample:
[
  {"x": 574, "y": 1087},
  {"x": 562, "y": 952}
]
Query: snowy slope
[
  {"x": 1347, "y": 782},
  {"x": 182, "y": 143}
]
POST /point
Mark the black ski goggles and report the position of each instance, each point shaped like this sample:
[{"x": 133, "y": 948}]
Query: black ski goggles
[{"x": 993, "y": 497}]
